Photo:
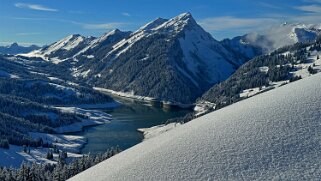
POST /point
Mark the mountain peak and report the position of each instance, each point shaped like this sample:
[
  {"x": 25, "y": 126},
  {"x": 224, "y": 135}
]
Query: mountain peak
[
  {"x": 75, "y": 35},
  {"x": 184, "y": 16},
  {"x": 15, "y": 44},
  {"x": 153, "y": 24},
  {"x": 112, "y": 32},
  {"x": 178, "y": 23}
]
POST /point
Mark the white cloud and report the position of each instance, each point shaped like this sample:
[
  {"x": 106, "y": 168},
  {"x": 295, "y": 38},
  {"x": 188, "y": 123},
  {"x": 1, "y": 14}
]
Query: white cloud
[
  {"x": 310, "y": 8},
  {"x": 37, "y": 7},
  {"x": 4, "y": 43},
  {"x": 28, "y": 34},
  {"x": 89, "y": 26},
  {"x": 102, "y": 26},
  {"x": 126, "y": 14},
  {"x": 313, "y": 1},
  {"x": 268, "y": 5},
  {"x": 229, "y": 22},
  {"x": 312, "y": 18}
]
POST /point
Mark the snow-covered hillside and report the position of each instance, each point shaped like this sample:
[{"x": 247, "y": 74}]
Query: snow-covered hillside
[
  {"x": 33, "y": 99},
  {"x": 272, "y": 136},
  {"x": 15, "y": 156},
  {"x": 264, "y": 73}
]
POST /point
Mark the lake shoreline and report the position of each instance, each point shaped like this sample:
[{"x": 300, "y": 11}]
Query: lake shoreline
[
  {"x": 149, "y": 100},
  {"x": 123, "y": 130}
]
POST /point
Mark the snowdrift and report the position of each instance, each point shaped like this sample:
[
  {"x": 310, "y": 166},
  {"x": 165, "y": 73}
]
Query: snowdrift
[{"x": 274, "y": 135}]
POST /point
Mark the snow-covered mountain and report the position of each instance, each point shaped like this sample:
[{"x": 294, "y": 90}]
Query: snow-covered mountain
[
  {"x": 159, "y": 60},
  {"x": 75, "y": 47},
  {"x": 264, "y": 73},
  {"x": 99, "y": 47},
  {"x": 63, "y": 49},
  {"x": 14, "y": 48},
  {"x": 253, "y": 44},
  {"x": 240, "y": 45},
  {"x": 272, "y": 136},
  {"x": 163, "y": 58}
]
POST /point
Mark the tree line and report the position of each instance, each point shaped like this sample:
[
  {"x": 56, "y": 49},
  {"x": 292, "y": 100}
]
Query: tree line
[{"x": 57, "y": 172}]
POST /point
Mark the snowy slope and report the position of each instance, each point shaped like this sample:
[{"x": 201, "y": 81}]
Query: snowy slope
[
  {"x": 101, "y": 46},
  {"x": 66, "y": 43},
  {"x": 202, "y": 54},
  {"x": 144, "y": 31},
  {"x": 101, "y": 39},
  {"x": 14, "y": 157},
  {"x": 273, "y": 136},
  {"x": 263, "y": 73},
  {"x": 61, "y": 50}
]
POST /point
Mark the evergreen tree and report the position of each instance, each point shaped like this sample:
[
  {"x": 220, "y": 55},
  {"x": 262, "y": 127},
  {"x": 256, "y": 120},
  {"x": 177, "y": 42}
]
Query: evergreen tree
[
  {"x": 57, "y": 172},
  {"x": 49, "y": 154},
  {"x": 4, "y": 144}
]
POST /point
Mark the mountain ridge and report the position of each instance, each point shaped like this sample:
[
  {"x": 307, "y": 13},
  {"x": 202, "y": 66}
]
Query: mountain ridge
[
  {"x": 269, "y": 40},
  {"x": 15, "y": 48},
  {"x": 183, "y": 39},
  {"x": 191, "y": 59},
  {"x": 172, "y": 60}
]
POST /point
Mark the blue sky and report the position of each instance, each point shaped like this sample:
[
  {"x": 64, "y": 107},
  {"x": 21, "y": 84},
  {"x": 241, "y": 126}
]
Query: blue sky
[{"x": 46, "y": 21}]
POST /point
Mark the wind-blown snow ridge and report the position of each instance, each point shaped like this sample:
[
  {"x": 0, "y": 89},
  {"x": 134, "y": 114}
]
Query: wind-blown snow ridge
[{"x": 273, "y": 136}]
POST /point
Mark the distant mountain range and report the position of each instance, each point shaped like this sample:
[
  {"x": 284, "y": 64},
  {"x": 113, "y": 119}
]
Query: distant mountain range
[
  {"x": 174, "y": 61},
  {"x": 254, "y": 44},
  {"x": 14, "y": 48}
]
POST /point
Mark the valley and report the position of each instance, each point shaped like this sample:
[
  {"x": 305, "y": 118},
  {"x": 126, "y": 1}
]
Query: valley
[
  {"x": 76, "y": 102},
  {"x": 122, "y": 130},
  {"x": 168, "y": 63}
]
